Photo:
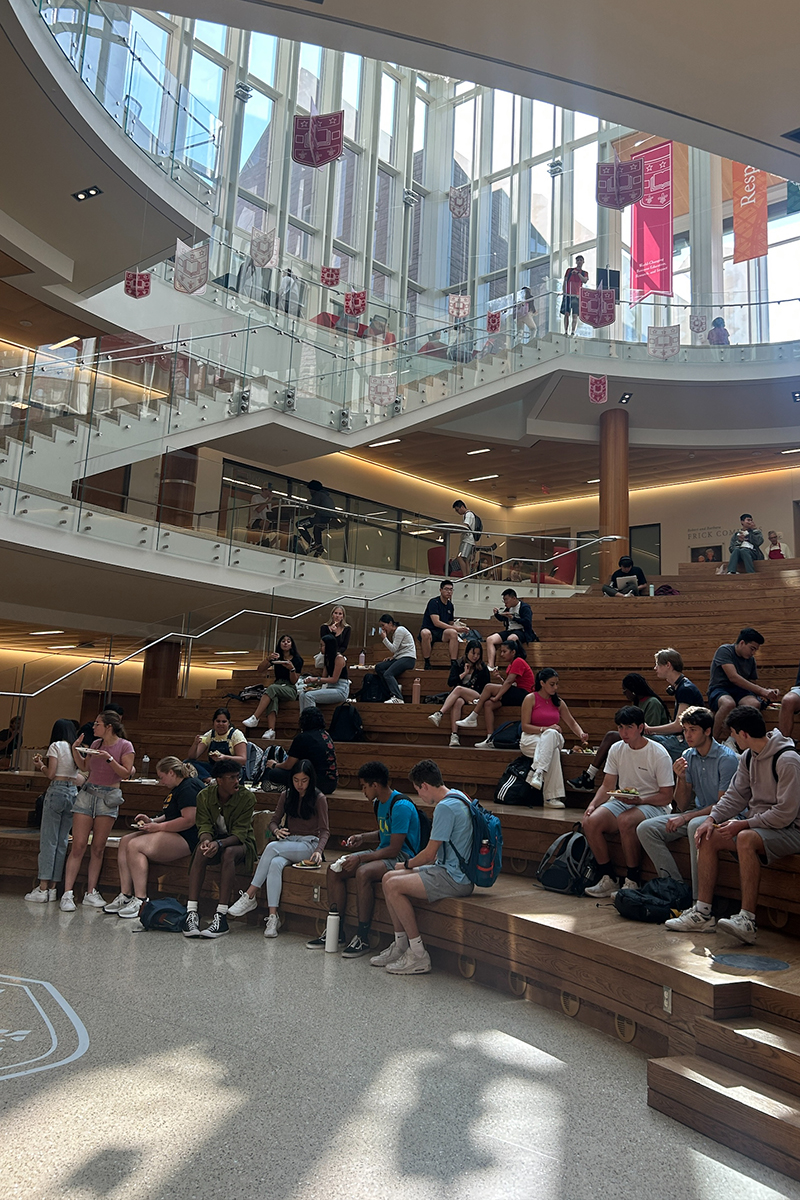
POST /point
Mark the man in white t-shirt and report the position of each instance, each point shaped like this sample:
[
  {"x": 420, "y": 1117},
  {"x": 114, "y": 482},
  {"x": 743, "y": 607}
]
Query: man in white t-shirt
[
  {"x": 643, "y": 768},
  {"x": 466, "y": 547}
]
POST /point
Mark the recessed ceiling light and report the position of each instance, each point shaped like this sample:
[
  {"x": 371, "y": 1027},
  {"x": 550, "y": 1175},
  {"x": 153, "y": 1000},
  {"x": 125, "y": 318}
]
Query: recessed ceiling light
[
  {"x": 45, "y": 632},
  {"x": 625, "y": 397},
  {"x": 73, "y": 647},
  {"x": 485, "y": 450},
  {"x": 592, "y": 480},
  {"x": 224, "y": 662},
  {"x": 797, "y": 451},
  {"x": 478, "y": 478},
  {"x": 231, "y": 651},
  {"x": 388, "y": 442},
  {"x": 87, "y": 193},
  {"x": 796, "y": 397}
]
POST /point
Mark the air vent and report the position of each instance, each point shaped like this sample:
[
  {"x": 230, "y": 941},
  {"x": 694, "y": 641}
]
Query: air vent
[{"x": 793, "y": 135}]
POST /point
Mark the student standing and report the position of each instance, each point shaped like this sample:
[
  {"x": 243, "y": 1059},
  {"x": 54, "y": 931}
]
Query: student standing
[{"x": 60, "y": 768}]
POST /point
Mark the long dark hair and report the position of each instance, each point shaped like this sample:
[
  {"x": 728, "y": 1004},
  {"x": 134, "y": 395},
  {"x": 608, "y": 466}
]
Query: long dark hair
[
  {"x": 330, "y": 651},
  {"x": 542, "y": 677},
  {"x": 466, "y": 661},
  {"x": 64, "y": 731},
  {"x": 226, "y": 712},
  {"x": 294, "y": 805},
  {"x": 638, "y": 686},
  {"x": 293, "y": 652},
  {"x": 516, "y": 645}
]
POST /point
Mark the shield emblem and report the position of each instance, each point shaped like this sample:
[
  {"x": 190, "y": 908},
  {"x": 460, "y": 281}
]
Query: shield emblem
[
  {"x": 355, "y": 303},
  {"x": 458, "y": 306},
  {"x": 461, "y": 201},
  {"x": 40, "y": 1030},
  {"x": 663, "y": 341},
  {"x": 382, "y": 389},
  {"x": 597, "y": 307},
  {"x": 493, "y": 322},
  {"x": 191, "y": 269},
  {"x": 698, "y": 323},
  {"x": 264, "y": 248},
  {"x": 330, "y": 276},
  {"x": 620, "y": 183},
  {"x": 598, "y": 389},
  {"x": 137, "y": 284},
  {"x": 319, "y": 139}
]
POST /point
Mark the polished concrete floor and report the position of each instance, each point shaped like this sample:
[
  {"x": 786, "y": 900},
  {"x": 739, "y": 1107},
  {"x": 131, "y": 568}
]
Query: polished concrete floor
[{"x": 246, "y": 1069}]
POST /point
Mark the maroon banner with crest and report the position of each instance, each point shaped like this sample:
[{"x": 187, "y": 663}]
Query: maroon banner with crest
[
  {"x": 493, "y": 322},
  {"x": 620, "y": 183},
  {"x": 651, "y": 227},
  {"x": 597, "y": 307},
  {"x": 137, "y": 284},
  {"x": 319, "y": 139},
  {"x": 355, "y": 303},
  {"x": 330, "y": 276},
  {"x": 598, "y": 389}
]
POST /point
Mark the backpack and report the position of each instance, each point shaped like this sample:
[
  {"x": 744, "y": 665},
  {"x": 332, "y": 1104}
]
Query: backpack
[
  {"x": 568, "y": 866},
  {"x": 477, "y": 532},
  {"x": 748, "y": 755},
  {"x": 248, "y": 695},
  {"x": 424, "y": 819},
  {"x": 513, "y": 787},
  {"x": 168, "y": 915},
  {"x": 271, "y": 755},
  {"x": 507, "y": 736},
  {"x": 346, "y": 724},
  {"x": 655, "y": 901},
  {"x": 254, "y": 762},
  {"x": 486, "y": 855},
  {"x": 373, "y": 689}
]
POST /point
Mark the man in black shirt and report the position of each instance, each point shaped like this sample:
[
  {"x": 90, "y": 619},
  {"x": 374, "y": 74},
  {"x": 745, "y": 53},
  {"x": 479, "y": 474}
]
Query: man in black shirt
[
  {"x": 439, "y": 624},
  {"x": 628, "y": 580},
  {"x": 313, "y": 743},
  {"x": 669, "y": 667},
  {"x": 322, "y": 505}
]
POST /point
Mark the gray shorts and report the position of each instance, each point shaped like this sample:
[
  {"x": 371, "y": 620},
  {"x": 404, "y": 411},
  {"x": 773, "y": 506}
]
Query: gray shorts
[
  {"x": 778, "y": 843},
  {"x": 618, "y": 807},
  {"x": 440, "y": 885},
  {"x": 96, "y": 801}
]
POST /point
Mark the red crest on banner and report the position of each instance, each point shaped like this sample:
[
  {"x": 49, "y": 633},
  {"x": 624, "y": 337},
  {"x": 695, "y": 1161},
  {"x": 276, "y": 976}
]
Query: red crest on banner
[
  {"x": 597, "y": 307},
  {"x": 355, "y": 303},
  {"x": 598, "y": 389},
  {"x": 382, "y": 389},
  {"x": 493, "y": 321},
  {"x": 191, "y": 268},
  {"x": 264, "y": 248},
  {"x": 698, "y": 323},
  {"x": 620, "y": 183},
  {"x": 330, "y": 276},
  {"x": 663, "y": 341},
  {"x": 458, "y": 306},
  {"x": 461, "y": 201},
  {"x": 319, "y": 139},
  {"x": 137, "y": 284},
  {"x": 651, "y": 226}
]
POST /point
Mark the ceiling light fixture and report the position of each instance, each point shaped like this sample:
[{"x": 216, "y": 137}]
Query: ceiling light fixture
[
  {"x": 625, "y": 397},
  {"x": 592, "y": 480},
  {"x": 419, "y": 532},
  {"x": 73, "y": 647},
  {"x": 231, "y": 651},
  {"x": 388, "y": 442},
  {"x": 45, "y": 632},
  {"x": 66, "y": 342},
  {"x": 478, "y": 478},
  {"x": 796, "y": 451},
  {"x": 486, "y": 450},
  {"x": 796, "y": 397},
  {"x": 87, "y": 193}
]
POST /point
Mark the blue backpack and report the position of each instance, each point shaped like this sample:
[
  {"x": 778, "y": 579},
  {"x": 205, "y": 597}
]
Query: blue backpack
[
  {"x": 167, "y": 914},
  {"x": 486, "y": 855}
]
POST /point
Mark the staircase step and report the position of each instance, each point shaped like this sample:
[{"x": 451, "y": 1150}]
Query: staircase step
[
  {"x": 729, "y": 1106},
  {"x": 768, "y": 1052}
]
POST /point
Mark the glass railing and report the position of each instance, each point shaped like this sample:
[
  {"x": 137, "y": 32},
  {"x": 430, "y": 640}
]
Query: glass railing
[{"x": 147, "y": 102}]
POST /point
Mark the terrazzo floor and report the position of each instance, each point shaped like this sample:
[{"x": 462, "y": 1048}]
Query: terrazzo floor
[{"x": 243, "y": 1069}]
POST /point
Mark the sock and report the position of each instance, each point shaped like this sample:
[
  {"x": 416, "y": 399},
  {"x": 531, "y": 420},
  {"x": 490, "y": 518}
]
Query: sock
[
  {"x": 703, "y": 908},
  {"x": 427, "y": 662},
  {"x": 191, "y": 905},
  {"x": 402, "y": 940},
  {"x": 142, "y": 899},
  {"x": 592, "y": 772},
  {"x": 751, "y": 916},
  {"x": 606, "y": 869},
  {"x": 363, "y": 930},
  {"x": 415, "y": 945},
  {"x": 634, "y": 874},
  {"x": 453, "y": 662},
  {"x": 222, "y": 909}
]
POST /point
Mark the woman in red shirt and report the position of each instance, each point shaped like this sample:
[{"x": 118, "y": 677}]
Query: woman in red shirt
[
  {"x": 518, "y": 683},
  {"x": 542, "y": 740}
]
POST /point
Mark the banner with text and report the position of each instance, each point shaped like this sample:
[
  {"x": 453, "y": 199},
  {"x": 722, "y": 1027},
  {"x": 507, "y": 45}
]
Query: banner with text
[
  {"x": 749, "y": 213},
  {"x": 651, "y": 227}
]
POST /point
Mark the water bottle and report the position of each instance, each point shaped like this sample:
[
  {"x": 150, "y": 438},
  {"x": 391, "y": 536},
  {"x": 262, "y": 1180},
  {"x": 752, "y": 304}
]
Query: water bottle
[
  {"x": 332, "y": 931},
  {"x": 145, "y": 766},
  {"x": 652, "y": 589},
  {"x": 362, "y": 658},
  {"x": 416, "y": 691}
]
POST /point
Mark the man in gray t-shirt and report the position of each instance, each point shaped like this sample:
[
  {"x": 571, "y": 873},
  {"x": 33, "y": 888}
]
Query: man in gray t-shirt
[{"x": 733, "y": 679}]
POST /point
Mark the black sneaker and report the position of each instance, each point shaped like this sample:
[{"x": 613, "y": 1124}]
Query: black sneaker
[
  {"x": 191, "y": 926},
  {"x": 319, "y": 942},
  {"x": 428, "y": 667},
  {"x": 217, "y": 927},
  {"x": 356, "y": 948},
  {"x": 583, "y": 783}
]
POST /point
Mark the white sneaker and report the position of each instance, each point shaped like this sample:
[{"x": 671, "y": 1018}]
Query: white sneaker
[
  {"x": 606, "y": 887},
  {"x": 37, "y": 896},
  {"x": 554, "y": 803},
  {"x": 117, "y": 903},
  {"x": 273, "y": 925},
  {"x": 243, "y": 905},
  {"x": 691, "y": 920},
  {"x": 131, "y": 909},
  {"x": 93, "y": 899},
  {"x": 630, "y": 884},
  {"x": 469, "y": 722},
  {"x": 536, "y": 780},
  {"x": 740, "y": 926},
  {"x": 250, "y": 722},
  {"x": 67, "y": 902},
  {"x": 454, "y": 739},
  {"x": 394, "y": 700},
  {"x": 269, "y": 736},
  {"x": 410, "y": 964},
  {"x": 390, "y": 955},
  {"x": 486, "y": 744},
  {"x": 52, "y": 895},
  {"x": 436, "y": 719}
]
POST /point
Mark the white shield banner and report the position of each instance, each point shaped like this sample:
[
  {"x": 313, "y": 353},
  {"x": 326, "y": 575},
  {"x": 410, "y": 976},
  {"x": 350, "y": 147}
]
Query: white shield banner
[
  {"x": 698, "y": 322},
  {"x": 461, "y": 201},
  {"x": 663, "y": 341},
  {"x": 382, "y": 389},
  {"x": 264, "y": 248},
  {"x": 598, "y": 389},
  {"x": 191, "y": 269},
  {"x": 459, "y": 306},
  {"x": 597, "y": 307}
]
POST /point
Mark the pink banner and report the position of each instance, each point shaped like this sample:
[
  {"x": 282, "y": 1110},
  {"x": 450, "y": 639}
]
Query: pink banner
[
  {"x": 598, "y": 389},
  {"x": 651, "y": 233},
  {"x": 355, "y": 303},
  {"x": 137, "y": 284}
]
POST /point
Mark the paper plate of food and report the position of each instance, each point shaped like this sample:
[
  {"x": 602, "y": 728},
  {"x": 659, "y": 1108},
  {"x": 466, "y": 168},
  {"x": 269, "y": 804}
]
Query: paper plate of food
[
  {"x": 627, "y": 794},
  {"x": 307, "y": 864}
]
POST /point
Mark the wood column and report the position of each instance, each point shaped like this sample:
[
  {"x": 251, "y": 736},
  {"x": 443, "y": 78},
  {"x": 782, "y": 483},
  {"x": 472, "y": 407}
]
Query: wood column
[
  {"x": 161, "y": 673},
  {"x": 176, "y": 495},
  {"x": 614, "y": 514}
]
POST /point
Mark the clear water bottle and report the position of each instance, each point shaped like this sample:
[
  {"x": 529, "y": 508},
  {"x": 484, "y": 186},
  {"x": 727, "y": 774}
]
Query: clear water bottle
[
  {"x": 146, "y": 766},
  {"x": 362, "y": 658}
]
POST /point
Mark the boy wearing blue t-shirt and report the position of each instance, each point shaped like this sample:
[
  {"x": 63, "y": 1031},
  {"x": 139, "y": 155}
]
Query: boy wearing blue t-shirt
[
  {"x": 397, "y": 838},
  {"x": 433, "y": 874}
]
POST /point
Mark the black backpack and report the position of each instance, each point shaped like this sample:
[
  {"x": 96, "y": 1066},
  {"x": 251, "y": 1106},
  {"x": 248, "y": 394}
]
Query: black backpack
[
  {"x": 507, "y": 736},
  {"x": 248, "y": 695},
  {"x": 373, "y": 690},
  {"x": 655, "y": 902},
  {"x": 568, "y": 865},
  {"x": 346, "y": 725},
  {"x": 513, "y": 787},
  {"x": 477, "y": 533},
  {"x": 748, "y": 755},
  {"x": 425, "y": 824}
]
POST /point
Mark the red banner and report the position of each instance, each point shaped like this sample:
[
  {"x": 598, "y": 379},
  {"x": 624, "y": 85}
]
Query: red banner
[
  {"x": 355, "y": 303},
  {"x": 318, "y": 139},
  {"x": 651, "y": 232},
  {"x": 749, "y": 213},
  {"x": 493, "y": 320},
  {"x": 598, "y": 389},
  {"x": 330, "y": 276},
  {"x": 597, "y": 307},
  {"x": 137, "y": 284}
]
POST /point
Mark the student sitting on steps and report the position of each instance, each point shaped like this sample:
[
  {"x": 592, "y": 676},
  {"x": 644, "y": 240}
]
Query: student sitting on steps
[
  {"x": 542, "y": 740},
  {"x": 637, "y": 691},
  {"x": 472, "y": 675}
]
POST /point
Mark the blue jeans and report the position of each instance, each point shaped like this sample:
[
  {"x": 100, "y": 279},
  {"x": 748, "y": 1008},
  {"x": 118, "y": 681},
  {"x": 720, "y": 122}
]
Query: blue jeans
[
  {"x": 740, "y": 555},
  {"x": 335, "y": 693},
  {"x": 56, "y": 825}
]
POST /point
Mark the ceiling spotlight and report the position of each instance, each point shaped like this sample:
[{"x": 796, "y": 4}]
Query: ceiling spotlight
[
  {"x": 87, "y": 193},
  {"x": 625, "y": 397},
  {"x": 796, "y": 397}
]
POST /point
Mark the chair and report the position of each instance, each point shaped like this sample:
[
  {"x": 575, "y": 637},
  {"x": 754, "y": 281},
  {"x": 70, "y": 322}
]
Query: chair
[{"x": 437, "y": 560}]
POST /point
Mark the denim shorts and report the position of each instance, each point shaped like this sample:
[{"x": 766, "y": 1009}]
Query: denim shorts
[{"x": 96, "y": 801}]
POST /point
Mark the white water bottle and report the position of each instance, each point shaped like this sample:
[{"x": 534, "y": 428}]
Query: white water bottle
[
  {"x": 332, "y": 932},
  {"x": 145, "y": 766},
  {"x": 362, "y": 658}
]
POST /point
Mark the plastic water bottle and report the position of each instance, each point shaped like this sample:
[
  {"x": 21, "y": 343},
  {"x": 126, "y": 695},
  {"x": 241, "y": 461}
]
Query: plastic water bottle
[
  {"x": 332, "y": 931},
  {"x": 362, "y": 658},
  {"x": 145, "y": 766},
  {"x": 416, "y": 691}
]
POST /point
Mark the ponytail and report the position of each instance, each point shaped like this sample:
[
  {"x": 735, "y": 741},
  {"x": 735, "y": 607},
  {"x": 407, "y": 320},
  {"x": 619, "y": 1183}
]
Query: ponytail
[{"x": 184, "y": 769}]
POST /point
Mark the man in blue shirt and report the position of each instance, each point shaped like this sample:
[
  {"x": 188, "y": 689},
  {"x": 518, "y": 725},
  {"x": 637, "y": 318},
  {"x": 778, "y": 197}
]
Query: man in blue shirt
[
  {"x": 397, "y": 838},
  {"x": 433, "y": 874},
  {"x": 703, "y": 773}
]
